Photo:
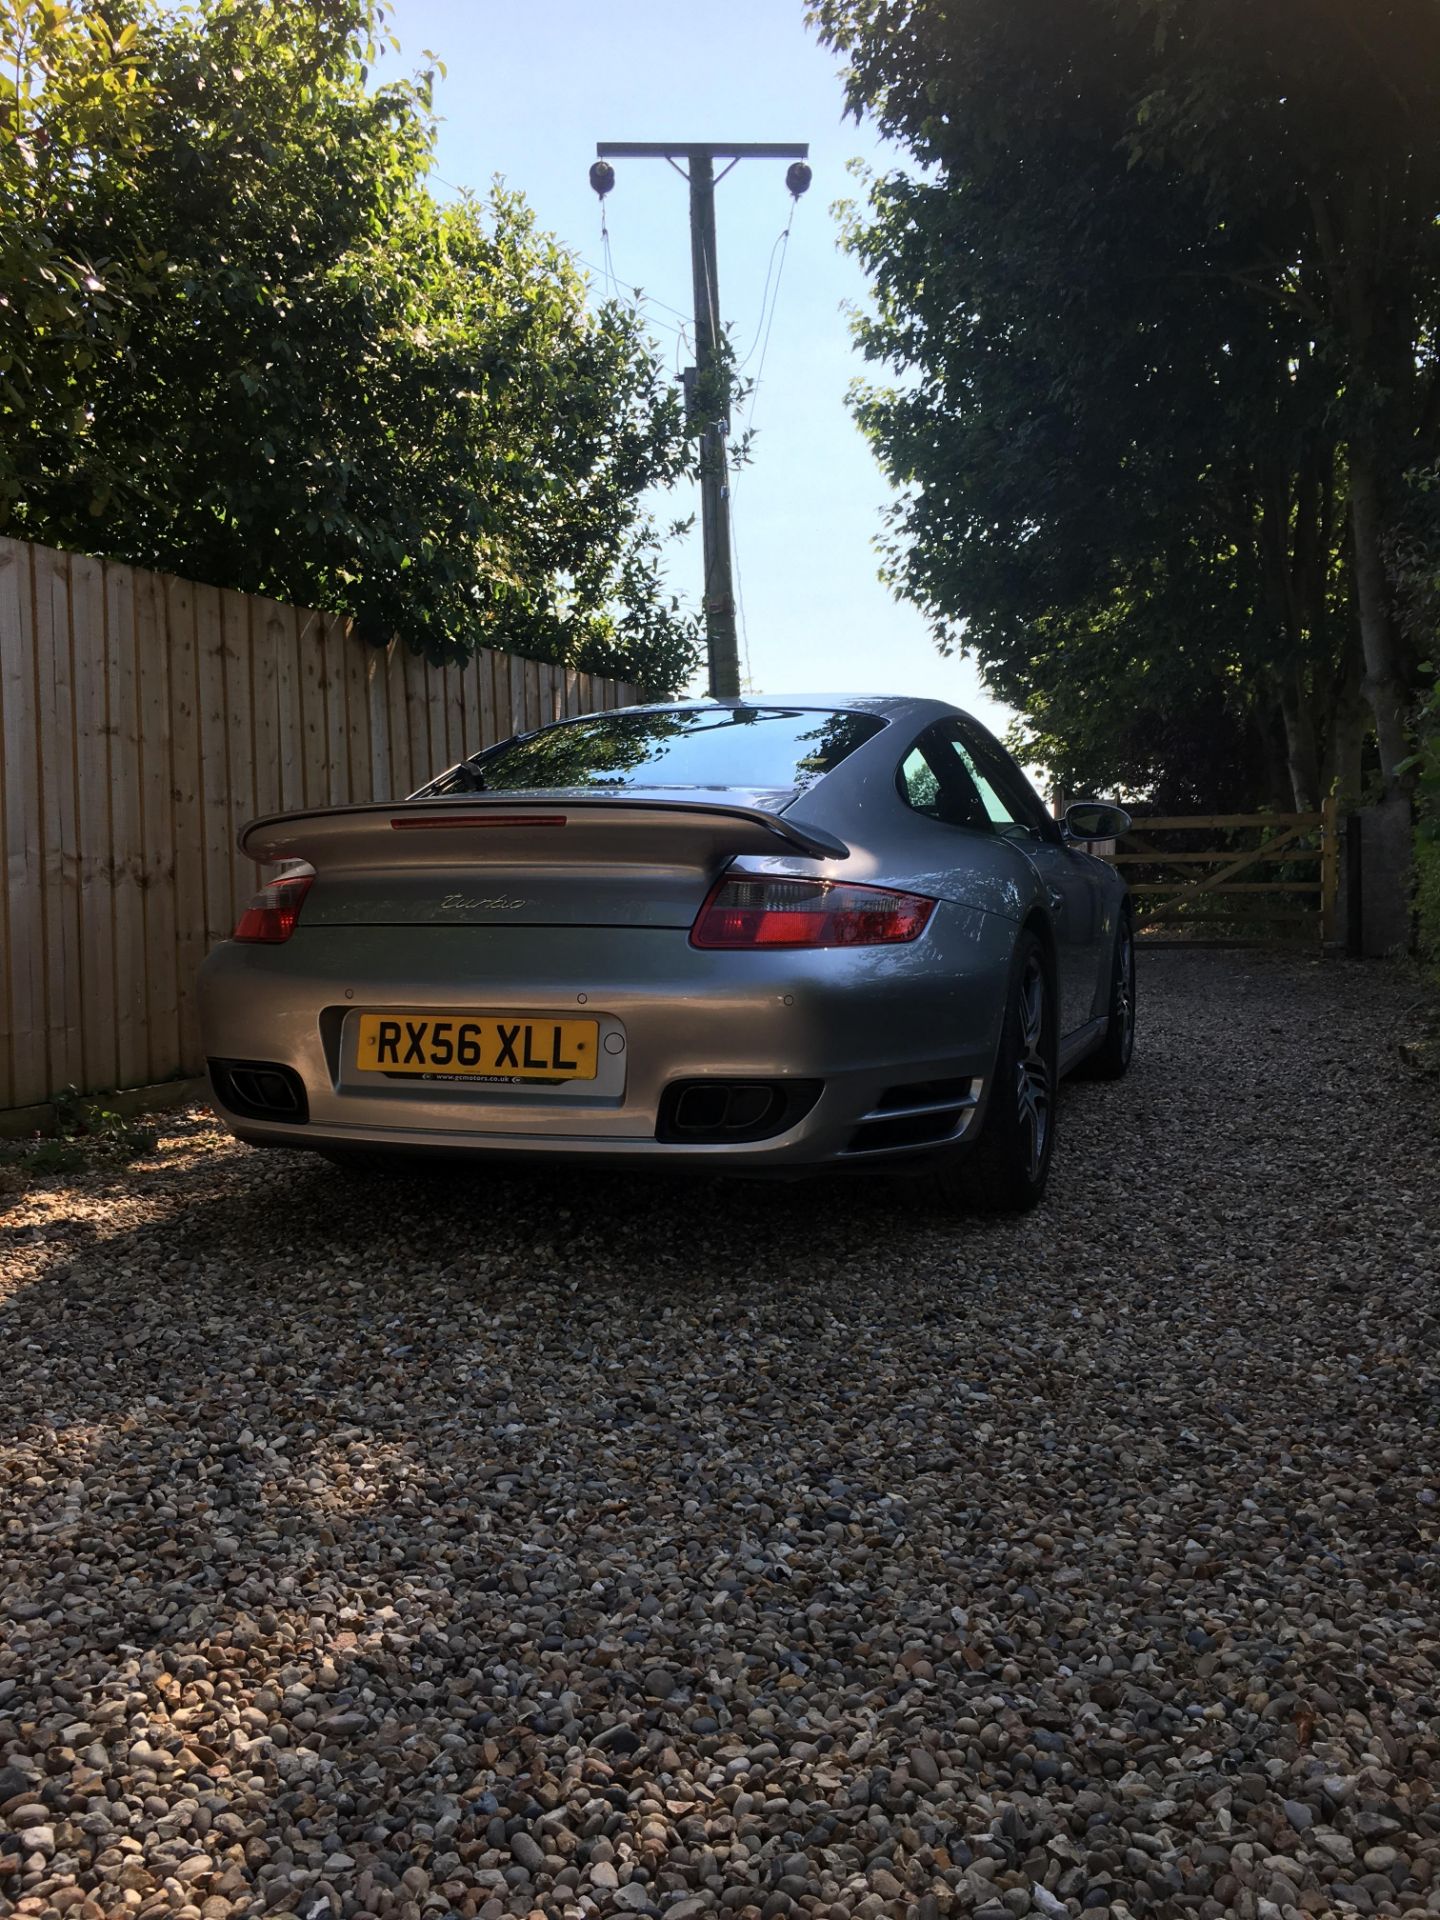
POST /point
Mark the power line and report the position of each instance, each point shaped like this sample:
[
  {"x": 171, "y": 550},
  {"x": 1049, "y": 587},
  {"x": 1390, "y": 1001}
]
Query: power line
[
  {"x": 784, "y": 244},
  {"x": 780, "y": 240},
  {"x": 640, "y": 306},
  {"x": 609, "y": 257},
  {"x": 763, "y": 328},
  {"x": 650, "y": 298}
]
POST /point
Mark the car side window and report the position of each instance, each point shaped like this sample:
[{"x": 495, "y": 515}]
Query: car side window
[
  {"x": 1009, "y": 801},
  {"x": 996, "y": 811},
  {"x": 920, "y": 783},
  {"x": 934, "y": 782}
]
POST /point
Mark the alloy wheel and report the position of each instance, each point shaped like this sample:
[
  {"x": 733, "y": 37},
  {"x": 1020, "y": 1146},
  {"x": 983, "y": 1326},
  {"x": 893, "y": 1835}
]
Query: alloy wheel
[
  {"x": 1125, "y": 990},
  {"x": 1032, "y": 1069}
]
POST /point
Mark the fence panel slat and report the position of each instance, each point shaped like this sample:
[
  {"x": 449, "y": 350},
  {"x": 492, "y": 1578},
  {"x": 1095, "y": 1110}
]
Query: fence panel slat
[
  {"x": 64, "y": 998},
  {"x": 354, "y": 657},
  {"x": 93, "y": 840},
  {"x": 290, "y": 721},
  {"x": 188, "y": 812},
  {"x": 470, "y": 734},
  {"x": 531, "y": 672},
  {"x": 239, "y": 663},
  {"x": 490, "y": 729},
  {"x": 215, "y": 808},
  {"x": 398, "y": 707},
  {"x": 152, "y": 658},
  {"x": 127, "y": 900},
  {"x": 26, "y": 1079},
  {"x": 438, "y": 708},
  {"x": 457, "y": 675},
  {"x": 331, "y": 648},
  {"x": 416, "y": 693},
  {"x": 377, "y": 694},
  {"x": 266, "y": 637},
  {"x": 499, "y": 686},
  {"x": 437, "y": 718},
  {"x": 310, "y": 696}
]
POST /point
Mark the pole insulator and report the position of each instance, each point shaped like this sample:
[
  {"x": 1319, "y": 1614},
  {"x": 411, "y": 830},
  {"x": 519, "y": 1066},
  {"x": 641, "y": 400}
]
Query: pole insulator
[
  {"x": 797, "y": 178},
  {"x": 602, "y": 177}
]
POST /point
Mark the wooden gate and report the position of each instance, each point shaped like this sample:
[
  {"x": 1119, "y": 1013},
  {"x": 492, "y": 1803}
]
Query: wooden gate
[{"x": 1233, "y": 879}]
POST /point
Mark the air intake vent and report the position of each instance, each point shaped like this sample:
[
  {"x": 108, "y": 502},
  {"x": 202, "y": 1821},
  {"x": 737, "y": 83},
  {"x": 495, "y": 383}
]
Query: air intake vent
[
  {"x": 260, "y": 1090},
  {"x": 927, "y": 1113},
  {"x": 729, "y": 1112}
]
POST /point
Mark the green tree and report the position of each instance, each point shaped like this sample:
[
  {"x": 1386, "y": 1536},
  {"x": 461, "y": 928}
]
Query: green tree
[
  {"x": 273, "y": 360},
  {"x": 73, "y": 106},
  {"x": 1134, "y": 409},
  {"x": 1323, "y": 125}
]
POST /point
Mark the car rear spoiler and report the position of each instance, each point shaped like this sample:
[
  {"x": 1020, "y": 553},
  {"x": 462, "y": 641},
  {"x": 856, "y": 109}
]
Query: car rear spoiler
[{"x": 489, "y": 828}]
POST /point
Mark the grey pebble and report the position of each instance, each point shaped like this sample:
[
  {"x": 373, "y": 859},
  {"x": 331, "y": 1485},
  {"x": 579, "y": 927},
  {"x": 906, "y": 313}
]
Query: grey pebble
[{"x": 527, "y": 1851}]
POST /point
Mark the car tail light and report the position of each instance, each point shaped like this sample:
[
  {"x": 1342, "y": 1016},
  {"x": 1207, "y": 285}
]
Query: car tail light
[
  {"x": 273, "y": 911},
  {"x": 770, "y": 910}
]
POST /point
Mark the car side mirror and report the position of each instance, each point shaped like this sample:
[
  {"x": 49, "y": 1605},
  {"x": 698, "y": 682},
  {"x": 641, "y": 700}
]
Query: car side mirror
[{"x": 1096, "y": 820}]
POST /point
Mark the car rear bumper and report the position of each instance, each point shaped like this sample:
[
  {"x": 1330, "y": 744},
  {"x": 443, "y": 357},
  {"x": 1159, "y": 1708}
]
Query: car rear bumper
[{"x": 901, "y": 1039}]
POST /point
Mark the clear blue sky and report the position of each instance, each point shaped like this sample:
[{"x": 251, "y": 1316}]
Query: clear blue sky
[{"x": 530, "y": 89}]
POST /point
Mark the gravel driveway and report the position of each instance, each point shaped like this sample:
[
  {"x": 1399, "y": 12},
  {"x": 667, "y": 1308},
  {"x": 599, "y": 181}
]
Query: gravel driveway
[{"x": 573, "y": 1546}]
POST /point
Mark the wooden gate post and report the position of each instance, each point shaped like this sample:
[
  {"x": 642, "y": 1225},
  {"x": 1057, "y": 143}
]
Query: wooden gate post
[{"x": 1329, "y": 867}]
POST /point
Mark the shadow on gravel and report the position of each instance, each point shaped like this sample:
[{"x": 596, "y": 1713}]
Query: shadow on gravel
[{"x": 482, "y": 1218}]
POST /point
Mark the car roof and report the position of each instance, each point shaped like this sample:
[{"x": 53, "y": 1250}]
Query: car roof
[{"x": 887, "y": 706}]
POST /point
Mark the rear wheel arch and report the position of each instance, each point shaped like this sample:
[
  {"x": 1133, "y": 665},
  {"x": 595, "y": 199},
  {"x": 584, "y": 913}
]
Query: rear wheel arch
[
  {"x": 1110, "y": 1058},
  {"x": 991, "y": 1172}
]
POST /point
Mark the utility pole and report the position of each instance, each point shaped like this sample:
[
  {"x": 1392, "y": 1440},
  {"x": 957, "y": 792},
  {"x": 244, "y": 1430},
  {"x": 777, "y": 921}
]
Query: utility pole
[{"x": 711, "y": 386}]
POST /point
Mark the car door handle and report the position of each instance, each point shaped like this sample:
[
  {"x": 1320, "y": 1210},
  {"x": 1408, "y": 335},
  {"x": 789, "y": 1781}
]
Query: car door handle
[{"x": 1057, "y": 899}]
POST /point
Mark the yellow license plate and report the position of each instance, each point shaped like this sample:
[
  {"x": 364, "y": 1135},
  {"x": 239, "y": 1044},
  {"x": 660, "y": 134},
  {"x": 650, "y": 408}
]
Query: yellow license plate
[{"x": 477, "y": 1046}]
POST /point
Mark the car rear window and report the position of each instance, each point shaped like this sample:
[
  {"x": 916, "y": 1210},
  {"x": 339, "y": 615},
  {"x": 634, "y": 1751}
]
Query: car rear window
[{"x": 681, "y": 747}]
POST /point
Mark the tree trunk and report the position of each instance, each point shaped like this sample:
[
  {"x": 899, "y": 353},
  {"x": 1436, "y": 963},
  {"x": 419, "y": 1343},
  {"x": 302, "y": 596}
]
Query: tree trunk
[
  {"x": 1302, "y": 751},
  {"x": 1277, "y": 772},
  {"x": 1342, "y": 770},
  {"x": 1384, "y": 685},
  {"x": 1352, "y": 723},
  {"x": 1377, "y": 349}
]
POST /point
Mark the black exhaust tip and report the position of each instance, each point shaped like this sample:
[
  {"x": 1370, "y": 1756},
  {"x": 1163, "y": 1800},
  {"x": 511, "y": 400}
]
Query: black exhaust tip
[
  {"x": 260, "y": 1090},
  {"x": 716, "y": 1112}
]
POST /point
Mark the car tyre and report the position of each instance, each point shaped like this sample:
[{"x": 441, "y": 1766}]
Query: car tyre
[
  {"x": 1111, "y": 1059},
  {"x": 1006, "y": 1168}
]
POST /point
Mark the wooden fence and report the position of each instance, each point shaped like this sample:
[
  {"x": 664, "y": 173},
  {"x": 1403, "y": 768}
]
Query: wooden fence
[{"x": 143, "y": 719}]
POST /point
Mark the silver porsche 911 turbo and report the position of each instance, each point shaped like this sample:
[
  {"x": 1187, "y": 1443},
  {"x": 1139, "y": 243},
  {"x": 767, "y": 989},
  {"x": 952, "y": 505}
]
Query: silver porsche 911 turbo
[{"x": 739, "y": 935}]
